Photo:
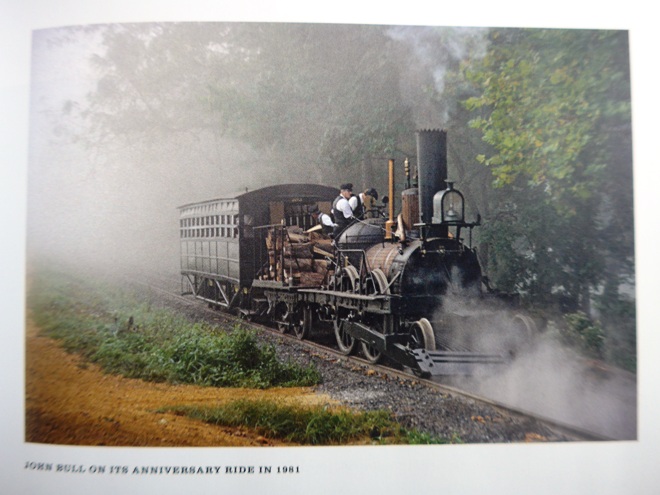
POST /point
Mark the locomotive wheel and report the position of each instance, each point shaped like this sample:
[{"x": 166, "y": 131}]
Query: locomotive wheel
[
  {"x": 282, "y": 317},
  {"x": 345, "y": 341},
  {"x": 379, "y": 281},
  {"x": 421, "y": 335},
  {"x": 303, "y": 321},
  {"x": 350, "y": 279},
  {"x": 369, "y": 352},
  {"x": 241, "y": 315},
  {"x": 523, "y": 332}
]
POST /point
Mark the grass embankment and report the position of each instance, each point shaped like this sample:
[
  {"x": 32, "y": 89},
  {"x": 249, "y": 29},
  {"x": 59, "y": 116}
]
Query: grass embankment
[
  {"x": 124, "y": 334},
  {"x": 130, "y": 337}
]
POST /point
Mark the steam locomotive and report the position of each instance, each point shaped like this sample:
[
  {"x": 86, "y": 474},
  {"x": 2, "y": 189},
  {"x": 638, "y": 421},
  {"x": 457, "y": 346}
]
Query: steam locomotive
[{"x": 382, "y": 284}]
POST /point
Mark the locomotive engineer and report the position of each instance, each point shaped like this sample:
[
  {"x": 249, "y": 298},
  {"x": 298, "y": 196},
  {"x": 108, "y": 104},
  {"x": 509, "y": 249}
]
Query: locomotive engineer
[
  {"x": 341, "y": 209},
  {"x": 325, "y": 221},
  {"x": 364, "y": 203}
]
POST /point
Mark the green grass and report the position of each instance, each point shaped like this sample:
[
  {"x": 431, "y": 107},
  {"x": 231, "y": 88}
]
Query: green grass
[
  {"x": 125, "y": 334},
  {"x": 311, "y": 425}
]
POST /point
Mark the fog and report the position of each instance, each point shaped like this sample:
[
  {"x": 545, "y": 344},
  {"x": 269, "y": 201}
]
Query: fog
[
  {"x": 109, "y": 197},
  {"x": 102, "y": 207},
  {"x": 541, "y": 375}
]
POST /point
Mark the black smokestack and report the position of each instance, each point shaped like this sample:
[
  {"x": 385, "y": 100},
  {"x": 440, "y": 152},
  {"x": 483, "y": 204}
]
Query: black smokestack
[{"x": 431, "y": 169}]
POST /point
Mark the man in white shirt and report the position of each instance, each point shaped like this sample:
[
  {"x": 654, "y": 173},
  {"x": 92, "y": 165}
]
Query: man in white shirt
[
  {"x": 325, "y": 221},
  {"x": 341, "y": 209},
  {"x": 363, "y": 203}
]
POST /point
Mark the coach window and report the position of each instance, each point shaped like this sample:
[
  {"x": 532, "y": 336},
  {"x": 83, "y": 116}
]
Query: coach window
[{"x": 248, "y": 223}]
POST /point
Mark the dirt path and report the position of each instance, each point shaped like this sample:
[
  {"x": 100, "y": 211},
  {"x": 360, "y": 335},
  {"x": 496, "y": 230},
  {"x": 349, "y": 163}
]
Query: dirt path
[{"x": 74, "y": 403}]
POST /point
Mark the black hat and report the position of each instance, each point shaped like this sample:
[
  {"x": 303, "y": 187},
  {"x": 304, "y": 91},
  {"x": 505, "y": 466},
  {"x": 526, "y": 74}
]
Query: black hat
[
  {"x": 314, "y": 209},
  {"x": 348, "y": 186},
  {"x": 372, "y": 192}
]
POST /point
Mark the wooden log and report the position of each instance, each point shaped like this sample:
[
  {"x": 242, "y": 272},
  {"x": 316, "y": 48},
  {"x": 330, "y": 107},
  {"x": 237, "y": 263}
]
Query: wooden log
[
  {"x": 298, "y": 250},
  {"x": 324, "y": 242},
  {"x": 320, "y": 252},
  {"x": 274, "y": 238},
  {"x": 299, "y": 264},
  {"x": 312, "y": 279},
  {"x": 320, "y": 266},
  {"x": 298, "y": 238}
]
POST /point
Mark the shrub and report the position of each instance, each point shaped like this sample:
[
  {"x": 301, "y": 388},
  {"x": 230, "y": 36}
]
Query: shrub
[{"x": 583, "y": 333}]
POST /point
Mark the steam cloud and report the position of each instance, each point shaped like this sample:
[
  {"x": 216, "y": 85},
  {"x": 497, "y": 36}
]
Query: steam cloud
[{"x": 544, "y": 377}]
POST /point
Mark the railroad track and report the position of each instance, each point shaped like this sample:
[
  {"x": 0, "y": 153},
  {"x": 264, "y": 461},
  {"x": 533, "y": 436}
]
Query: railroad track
[{"x": 560, "y": 428}]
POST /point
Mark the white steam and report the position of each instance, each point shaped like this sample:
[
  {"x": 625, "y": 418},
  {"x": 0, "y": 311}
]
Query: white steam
[{"x": 544, "y": 376}]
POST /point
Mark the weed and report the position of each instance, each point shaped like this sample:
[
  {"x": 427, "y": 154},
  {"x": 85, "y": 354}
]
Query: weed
[
  {"x": 585, "y": 334},
  {"x": 313, "y": 425},
  {"x": 126, "y": 335}
]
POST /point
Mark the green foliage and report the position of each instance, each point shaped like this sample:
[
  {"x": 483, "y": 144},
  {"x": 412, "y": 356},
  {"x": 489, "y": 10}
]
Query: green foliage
[
  {"x": 551, "y": 96},
  {"x": 316, "y": 425},
  {"x": 553, "y": 109},
  {"x": 234, "y": 359},
  {"x": 414, "y": 437},
  {"x": 584, "y": 334},
  {"x": 138, "y": 341},
  {"x": 618, "y": 315}
]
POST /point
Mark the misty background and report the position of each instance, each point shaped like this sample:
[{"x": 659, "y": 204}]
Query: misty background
[{"x": 130, "y": 121}]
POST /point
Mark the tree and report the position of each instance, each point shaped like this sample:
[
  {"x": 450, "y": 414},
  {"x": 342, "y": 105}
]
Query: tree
[
  {"x": 552, "y": 105},
  {"x": 299, "y": 96},
  {"x": 326, "y": 94}
]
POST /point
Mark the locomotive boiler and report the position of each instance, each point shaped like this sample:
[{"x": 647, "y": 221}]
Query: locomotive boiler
[{"x": 381, "y": 285}]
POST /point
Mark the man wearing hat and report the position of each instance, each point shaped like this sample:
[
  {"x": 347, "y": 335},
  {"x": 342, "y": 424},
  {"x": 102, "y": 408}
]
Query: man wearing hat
[
  {"x": 363, "y": 204},
  {"x": 325, "y": 221},
  {"x": 341, "y": 209}
]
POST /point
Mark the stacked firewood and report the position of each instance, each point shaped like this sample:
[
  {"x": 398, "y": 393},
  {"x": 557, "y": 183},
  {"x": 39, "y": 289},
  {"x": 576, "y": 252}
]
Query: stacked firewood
[{"x": 298, "y": 257}]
